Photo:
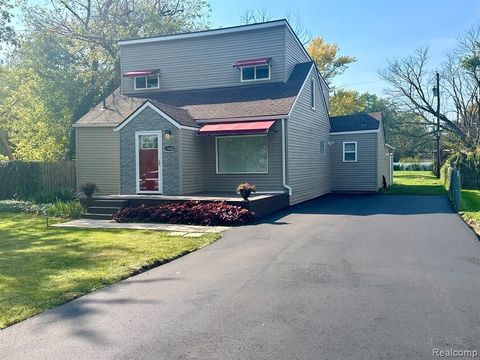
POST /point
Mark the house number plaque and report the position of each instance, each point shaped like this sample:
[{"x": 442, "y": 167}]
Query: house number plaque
[{"x": 169, "y": 148}]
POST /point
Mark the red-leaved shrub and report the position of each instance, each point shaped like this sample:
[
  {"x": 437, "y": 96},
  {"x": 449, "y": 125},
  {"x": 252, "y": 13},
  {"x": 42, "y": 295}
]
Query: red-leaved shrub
[{"x": 190, "y": 212}]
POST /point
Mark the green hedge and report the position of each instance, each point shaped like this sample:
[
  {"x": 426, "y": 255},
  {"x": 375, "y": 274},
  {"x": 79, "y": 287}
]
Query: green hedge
[
  {"x": 19, "y": 180},
  {"x": 468, "y": 162}
]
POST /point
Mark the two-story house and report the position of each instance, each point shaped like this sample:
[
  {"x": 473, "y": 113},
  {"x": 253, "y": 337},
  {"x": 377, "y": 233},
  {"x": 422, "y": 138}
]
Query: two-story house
[{"x": 201, "y": 112}]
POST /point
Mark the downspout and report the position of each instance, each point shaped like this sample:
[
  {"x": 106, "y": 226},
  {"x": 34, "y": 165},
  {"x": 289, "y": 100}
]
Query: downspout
[{"x": 284, "y": 161}]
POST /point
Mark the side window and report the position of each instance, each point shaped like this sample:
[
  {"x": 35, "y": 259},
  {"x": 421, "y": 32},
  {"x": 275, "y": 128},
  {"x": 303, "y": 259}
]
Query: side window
[
  {"x": 322, "y": 147},
  {"x": 350, "y": 151}
]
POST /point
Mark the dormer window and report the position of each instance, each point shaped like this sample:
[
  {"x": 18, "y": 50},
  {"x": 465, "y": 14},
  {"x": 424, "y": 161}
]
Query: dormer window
[
  {"x": 144, "y": 79},
  {"x": 252, "y": 73},
  {"x": 146, "y": 82},
  {"x": 254, "y": 69}
]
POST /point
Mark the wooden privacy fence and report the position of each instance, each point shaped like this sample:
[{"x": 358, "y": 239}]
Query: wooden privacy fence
[
  {"x": 26, "y": 180},
  {"x": 58, "y": 175}
]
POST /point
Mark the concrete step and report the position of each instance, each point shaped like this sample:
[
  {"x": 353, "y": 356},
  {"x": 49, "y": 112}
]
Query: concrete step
[
  {"x": 108, "y": 203},
  {"x": 108, "y": 210},
  {"x": 97, "y": 216}
]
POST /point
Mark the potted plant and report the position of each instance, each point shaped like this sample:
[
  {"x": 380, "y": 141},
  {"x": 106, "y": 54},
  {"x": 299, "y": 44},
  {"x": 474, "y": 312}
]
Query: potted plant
[
  {"x": 245, "y": 189},
  {"x": 88, "y": 189}
]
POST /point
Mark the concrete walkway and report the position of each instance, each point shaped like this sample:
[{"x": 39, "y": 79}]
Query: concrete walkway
[{"x": 175, "y": 229}]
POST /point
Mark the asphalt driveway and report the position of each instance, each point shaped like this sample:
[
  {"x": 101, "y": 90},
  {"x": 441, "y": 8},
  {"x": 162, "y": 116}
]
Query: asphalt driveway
[{"x": 341, "y": 277}]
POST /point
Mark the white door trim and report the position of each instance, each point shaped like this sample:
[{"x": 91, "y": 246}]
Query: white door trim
[{"x": 137, "y": 161}]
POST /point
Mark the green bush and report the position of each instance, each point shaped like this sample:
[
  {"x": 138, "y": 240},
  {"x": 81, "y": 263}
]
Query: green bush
[
  {"x": 468, "y": 162},
  {"x": 19, "y": 179},
  {"x": 49, "y": 197},
  {"x": 66, "y": 209},
  {"x": 413, "y": 166},
  {"x": 23, "y": 206}
]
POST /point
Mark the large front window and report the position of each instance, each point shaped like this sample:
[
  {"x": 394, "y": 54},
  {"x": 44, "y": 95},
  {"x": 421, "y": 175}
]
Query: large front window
[{"x": 242, "y": 154}]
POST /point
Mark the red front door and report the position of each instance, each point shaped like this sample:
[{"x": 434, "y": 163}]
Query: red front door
[{"x": 148, "y": 162}]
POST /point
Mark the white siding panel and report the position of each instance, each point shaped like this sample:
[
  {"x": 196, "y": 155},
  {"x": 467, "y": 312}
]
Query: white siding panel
[
  {"x": 308, "y": 170},
  {"x": 98, "y": 158}
]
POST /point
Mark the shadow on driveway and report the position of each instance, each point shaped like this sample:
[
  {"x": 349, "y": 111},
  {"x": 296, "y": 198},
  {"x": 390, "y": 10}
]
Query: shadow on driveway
[{"x": 366, "y": 205}]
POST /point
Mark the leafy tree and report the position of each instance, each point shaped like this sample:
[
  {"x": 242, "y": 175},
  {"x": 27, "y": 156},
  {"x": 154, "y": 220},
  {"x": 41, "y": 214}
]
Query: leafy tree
[
  {"x": 33, "y": 131},
  {"x": 7, "y": 32},
  {"x": 69, "y": 61},
  {"x": 346, "y": 102},
  {"x": 326, "y": 57}
]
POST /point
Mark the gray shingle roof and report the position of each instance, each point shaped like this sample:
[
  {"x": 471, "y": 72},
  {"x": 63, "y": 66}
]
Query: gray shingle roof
[
  {"x": 356, "y": 122},
  {"x": 186, "y": 106}
]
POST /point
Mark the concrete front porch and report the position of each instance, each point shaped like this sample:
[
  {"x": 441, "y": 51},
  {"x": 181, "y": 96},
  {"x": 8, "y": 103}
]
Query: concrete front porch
[{"x": 103, "y": 207}]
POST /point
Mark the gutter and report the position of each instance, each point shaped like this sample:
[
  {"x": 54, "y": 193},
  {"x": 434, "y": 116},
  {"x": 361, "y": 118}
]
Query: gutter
[{"x": 284, "y": 161}]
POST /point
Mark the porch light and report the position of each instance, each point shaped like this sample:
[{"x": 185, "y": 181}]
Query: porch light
[{"x": 168, "y": 134}]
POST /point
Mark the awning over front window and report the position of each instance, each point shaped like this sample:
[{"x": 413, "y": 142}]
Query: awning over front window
[
  {"x": 134, "y": 73},
  {"x": 237, "y": 128},
  {"x": 252, "y": 62}
]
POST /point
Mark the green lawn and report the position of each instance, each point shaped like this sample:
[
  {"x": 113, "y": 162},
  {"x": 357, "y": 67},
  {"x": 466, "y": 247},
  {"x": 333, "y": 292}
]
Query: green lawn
[
  {"x": 42, "y": 267},
  {"x": 470, "y": 206},
  {"x": 416, "y": 183}
]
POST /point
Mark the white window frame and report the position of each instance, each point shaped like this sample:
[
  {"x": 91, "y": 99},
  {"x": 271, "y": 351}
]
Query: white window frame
[
  {"x": 313, "y": 94},
  {"x": 350, "y": 152},
  {"x": 255, "y": 73},
  {"x": 146, "y": 88},
  {"x": 238, "y": 136}
]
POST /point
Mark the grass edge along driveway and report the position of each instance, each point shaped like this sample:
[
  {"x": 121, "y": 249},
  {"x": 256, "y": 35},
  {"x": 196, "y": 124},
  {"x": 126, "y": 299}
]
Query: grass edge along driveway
[{"x": 43, "y": 267}]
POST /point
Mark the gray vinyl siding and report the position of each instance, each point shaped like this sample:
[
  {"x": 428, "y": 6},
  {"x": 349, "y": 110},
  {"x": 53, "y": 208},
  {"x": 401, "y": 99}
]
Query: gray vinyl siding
[
  {"x": 98, "y": 158},
  {"x": 354, "y": 176},
  {"x": 192, "y": 162},
  {"x": 294, "y": 53},
  {"x": 227, "y": 183},
  {"x": 205, "y": 62},
  {"x": 308, "y": 170}
]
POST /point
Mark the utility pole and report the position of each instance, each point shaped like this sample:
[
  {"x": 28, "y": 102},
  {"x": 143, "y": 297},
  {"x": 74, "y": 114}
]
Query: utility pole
[{"x": 436, "y": 92}]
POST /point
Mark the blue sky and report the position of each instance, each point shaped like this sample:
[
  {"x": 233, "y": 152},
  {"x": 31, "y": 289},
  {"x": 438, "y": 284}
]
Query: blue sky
[{"x": 371, "y": 30}]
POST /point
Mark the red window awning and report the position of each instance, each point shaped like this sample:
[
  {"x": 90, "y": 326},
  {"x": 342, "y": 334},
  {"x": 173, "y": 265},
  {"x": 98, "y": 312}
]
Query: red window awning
[
  {"x": 252, "y": 62},
  {"x": 237, "y": 128},
  {"x": 134, "y": 73}
]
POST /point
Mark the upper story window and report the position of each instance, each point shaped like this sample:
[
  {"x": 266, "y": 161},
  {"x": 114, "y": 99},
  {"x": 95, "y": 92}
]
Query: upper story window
[
  {"x": 312, "y": 94},
  {"x": 144, "y": 79},
  {"x": 252, "y": 73},
  {"x": 254, "y": 69},
  {"x": 146, "y": 82}
]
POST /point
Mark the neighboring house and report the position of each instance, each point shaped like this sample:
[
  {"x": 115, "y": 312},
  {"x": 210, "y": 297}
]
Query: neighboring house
[{"x": 204, "y": 111}]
